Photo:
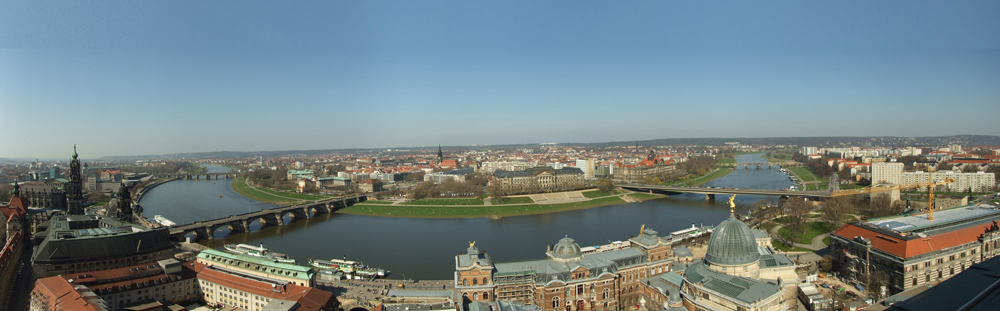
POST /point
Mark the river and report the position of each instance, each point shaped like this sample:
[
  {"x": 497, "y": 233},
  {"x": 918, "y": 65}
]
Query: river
[{"x": 421, "y": 248}]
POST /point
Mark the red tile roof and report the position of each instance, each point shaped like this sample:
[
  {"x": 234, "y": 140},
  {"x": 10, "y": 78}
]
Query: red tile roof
[
  {"x": 61, "y": 295},
  {"x": 909, "y": 248}
]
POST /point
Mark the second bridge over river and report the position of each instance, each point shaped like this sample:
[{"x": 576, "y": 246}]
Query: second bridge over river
[
  {"x": 266, "y": 217},
  {"x": 710, "y": 192}
]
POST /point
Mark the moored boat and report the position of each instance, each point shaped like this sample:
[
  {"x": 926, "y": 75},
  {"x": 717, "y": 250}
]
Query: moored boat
[
  {"x": 258, "y": 251},
  {"x": 164, "y": 221}
]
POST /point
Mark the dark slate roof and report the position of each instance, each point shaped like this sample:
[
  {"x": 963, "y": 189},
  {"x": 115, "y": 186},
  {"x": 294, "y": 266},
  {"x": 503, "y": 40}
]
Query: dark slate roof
[
  {"x": 743, "y": 289},
  {"x": 473, "y": 255},
  {"x": 974, "y": 289},
  {"x": 647, "y": 238},
  {"x": 505, "y": 174},
  {"x": 88, "y": 238},
  {"x": 547, "y": 270}
]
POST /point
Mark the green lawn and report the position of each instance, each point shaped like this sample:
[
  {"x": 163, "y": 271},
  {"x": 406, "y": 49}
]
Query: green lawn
[
  {"x": 818, "y": 186},
  {"x": 782, "y": 247},
  {"x": 377, "y": 202},
  {"x": 727, "y": 161},
  {"x": 515, "y": 200},
  {"x": 646, "y": 196},
  {"x": 826, "y": 240},
  {"x": 804, "y": 173},
  {"x": 239, "y": 185},
  {"x": 812, "y": 230},
  {"x": 300, "y": 196},
  {"x": 704, "y": 179},
  {"x": 597, "y": 193},
  {"x": 448, "y": 201},
  {"x": 473, "y": 211}
]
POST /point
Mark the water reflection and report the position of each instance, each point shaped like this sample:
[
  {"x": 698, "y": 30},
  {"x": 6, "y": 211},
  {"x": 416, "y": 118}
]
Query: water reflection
[{"x": 425, "y": 248}]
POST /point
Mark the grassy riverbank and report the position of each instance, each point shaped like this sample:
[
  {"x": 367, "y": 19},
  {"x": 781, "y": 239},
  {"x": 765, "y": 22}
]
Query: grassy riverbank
[
  {"x": 716, "y": 174},
  {"x": 239, "y": 185},
  {"x": 494, "y": 211}
]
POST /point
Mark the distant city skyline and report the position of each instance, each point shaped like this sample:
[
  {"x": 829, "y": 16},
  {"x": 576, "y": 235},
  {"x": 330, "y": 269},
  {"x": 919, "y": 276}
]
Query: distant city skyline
[{"x": 154, "y": 78}]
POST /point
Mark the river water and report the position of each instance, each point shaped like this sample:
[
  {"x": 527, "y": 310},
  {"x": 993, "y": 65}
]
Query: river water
[{"x": 420, "y": 248}]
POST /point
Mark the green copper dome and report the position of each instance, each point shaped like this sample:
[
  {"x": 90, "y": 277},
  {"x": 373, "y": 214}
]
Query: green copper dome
[
  {"x": 732, "y": 243},
  {"x": 566, "y": 249}
]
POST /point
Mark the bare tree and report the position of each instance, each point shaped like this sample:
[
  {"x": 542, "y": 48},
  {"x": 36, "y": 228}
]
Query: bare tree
[
  {"x": 836, "y": 210},
  {"x": 605, "y": 185},
  {"x": 797, "y": 210}
]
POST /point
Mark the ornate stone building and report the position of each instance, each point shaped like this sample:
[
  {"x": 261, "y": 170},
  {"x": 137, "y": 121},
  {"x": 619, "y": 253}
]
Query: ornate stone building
[
  {"x": 74, "y": 189},
  {"x": 38, "y": 194},
  {"x": 122, "y": 208},
  {"x": 537, "y": 179},
  {"x": 568, "y": 280},
  {"x": 651, "y": 166},
  {"x": 734, "y": 275}
]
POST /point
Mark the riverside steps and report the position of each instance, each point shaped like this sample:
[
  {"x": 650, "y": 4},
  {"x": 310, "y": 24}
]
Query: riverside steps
[{"x": 267, "y": 217}]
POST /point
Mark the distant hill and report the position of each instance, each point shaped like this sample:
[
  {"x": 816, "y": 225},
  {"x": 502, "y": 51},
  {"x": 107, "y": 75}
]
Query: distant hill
[{"x": 889, "y": 141}]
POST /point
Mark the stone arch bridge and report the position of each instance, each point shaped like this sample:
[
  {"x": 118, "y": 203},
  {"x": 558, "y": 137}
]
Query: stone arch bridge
[{"x": 267, "y": 217}]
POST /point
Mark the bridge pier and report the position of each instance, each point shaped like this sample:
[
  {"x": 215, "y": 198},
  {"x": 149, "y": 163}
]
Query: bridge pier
[
  {"x": 271, "y": 220},
  {"x": 203, "y": 233},
  {"x": 709, "y": 197}
]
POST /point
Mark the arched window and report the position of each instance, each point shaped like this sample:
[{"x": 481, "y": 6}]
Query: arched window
[
  {"x": 475, "y": 296},
  {"x": 485, "y": 281},
  {"x": 486, "y": 295},
  {"x": 555, "y": 302},
  {"x": 465, "y": 282},
  {"x": 475, "y": 282},
  {"x": 607, "y": 293}
]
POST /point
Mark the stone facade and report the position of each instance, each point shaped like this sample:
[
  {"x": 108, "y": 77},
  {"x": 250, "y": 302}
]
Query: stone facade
[
  {"x": 912, "y": 251},
  {"x": 539, "y": 179},
  {"x": 567, "y": 280}
]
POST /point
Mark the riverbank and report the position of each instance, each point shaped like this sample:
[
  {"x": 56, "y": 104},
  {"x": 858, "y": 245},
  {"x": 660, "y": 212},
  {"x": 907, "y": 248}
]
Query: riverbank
[
  {"x": 490, "y": 211},
  {"x": 713, "y": 175}
]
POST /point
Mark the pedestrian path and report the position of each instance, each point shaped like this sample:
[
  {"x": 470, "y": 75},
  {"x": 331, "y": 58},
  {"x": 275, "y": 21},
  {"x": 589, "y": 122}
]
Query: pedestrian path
[{"x": 817, "y": 242}]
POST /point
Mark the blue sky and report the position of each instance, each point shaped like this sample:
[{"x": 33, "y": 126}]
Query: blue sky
[{"x": 124, "y": 78}]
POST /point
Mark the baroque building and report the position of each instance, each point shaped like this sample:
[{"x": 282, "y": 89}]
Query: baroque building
[
  {"x": 735, "y": 275},
  {"x": 651, "y": 166},
  {"x": 539, "y": 179},
  {"x": 74, "y": 189},
  {"x": 568, "y": 279},
  {"x": 122, "y": 208}
]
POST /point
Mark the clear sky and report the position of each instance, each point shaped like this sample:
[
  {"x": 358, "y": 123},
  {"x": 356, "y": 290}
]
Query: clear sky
[{"x": 145, "y": 77}]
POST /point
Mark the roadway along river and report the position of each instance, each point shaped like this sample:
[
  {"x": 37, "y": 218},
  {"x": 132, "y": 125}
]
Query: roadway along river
[{"x": 418, "y": 248}]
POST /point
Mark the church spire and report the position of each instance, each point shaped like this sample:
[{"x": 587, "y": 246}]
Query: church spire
[
  {"x": 74, "y": 151},
  {"x": 440, "y": 154},
  {"x": 17, "y": 190}
]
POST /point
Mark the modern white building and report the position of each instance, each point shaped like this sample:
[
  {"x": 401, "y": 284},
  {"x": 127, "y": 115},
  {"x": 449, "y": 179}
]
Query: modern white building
[
  {"x": 978, "y": 181},
  {"x": 491, "y": 166},
  {"x": 887, "y": 173},
  {"x": 587, "y": 166},
  {"x": 809, "y": 150}
]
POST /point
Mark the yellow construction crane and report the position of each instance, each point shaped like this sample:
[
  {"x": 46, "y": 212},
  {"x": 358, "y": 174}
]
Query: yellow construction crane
[{"x": 929, "y": 184}]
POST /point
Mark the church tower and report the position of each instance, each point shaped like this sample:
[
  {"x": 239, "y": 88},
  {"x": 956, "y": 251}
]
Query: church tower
[
  {"x": 124, "y": 210},
  {"x": 74, "y": 189},
  {"x": 440, "y": 155}
]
